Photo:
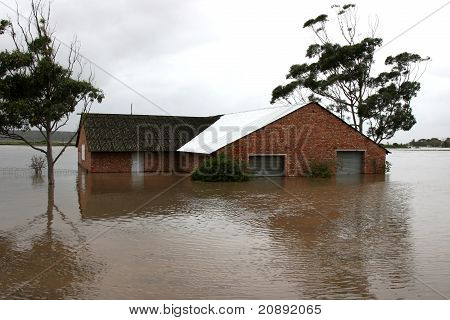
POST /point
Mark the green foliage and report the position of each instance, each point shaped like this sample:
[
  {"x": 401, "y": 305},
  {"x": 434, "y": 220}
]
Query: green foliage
[
  {"x": 320, "y": 169},
  {"x": 319, "y": 19},
  {"x": 221, "y": 168},
  {"x": 3, "y": 25},
  {"x": 36, "y": 89},
  {"x": 339, "y": 73}
]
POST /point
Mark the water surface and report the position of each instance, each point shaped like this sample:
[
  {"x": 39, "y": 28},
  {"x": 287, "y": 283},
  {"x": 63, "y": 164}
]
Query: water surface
[{"x": 117, "y": 236}]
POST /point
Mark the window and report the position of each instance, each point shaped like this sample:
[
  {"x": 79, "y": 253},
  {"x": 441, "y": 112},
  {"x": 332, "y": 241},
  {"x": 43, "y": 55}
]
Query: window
[
  {"x": 267, "y": 165},
  {"x": 83, "y": 152}
]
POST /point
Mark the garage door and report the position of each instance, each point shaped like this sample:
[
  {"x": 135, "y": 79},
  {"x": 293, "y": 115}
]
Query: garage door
[
  {"x": 267, "y": 165},
  {"x": 349, "y": 162}
]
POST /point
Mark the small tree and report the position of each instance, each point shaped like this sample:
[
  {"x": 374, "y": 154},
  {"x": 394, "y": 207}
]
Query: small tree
[
  {"x": 37, "y": 164},
  {"x": 340, "y": 74},
  {"x": 36, "y": 89}
]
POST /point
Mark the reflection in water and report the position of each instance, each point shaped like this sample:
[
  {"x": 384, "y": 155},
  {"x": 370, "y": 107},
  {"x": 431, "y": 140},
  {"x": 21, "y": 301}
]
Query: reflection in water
[
  {"x": 109, "y": 196},
  {"x": 38, "y": 180},
  {"x": 348, "y": 237},
  {"x": 324, "y": 238},
  {"x": 22, "y": 264},
  {"x": 345, "y": 238}
]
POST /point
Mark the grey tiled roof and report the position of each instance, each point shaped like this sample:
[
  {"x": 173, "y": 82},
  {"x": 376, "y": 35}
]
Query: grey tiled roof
[{"x": 129, "y": 133}]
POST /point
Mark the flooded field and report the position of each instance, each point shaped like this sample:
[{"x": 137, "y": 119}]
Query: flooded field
[{"x": 116, "y": 236}]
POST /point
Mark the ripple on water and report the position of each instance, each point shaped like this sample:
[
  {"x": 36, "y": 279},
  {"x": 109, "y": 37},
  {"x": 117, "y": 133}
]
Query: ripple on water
[{"x": 370, "y": 237}]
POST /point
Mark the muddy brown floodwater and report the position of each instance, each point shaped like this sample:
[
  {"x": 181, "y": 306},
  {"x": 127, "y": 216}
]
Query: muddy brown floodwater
[{"x": 116, "y": 236}]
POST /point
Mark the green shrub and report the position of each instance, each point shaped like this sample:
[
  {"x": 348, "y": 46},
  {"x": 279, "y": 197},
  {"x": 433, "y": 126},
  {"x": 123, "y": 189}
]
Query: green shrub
[
  {"x": 320, "y": 170},
  {"x": 221, "y": 168}
]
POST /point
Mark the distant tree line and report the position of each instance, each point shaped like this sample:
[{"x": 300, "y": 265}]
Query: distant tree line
[
  {"x": 433, "y": 142},
  {"x": 35, "y": 137}
]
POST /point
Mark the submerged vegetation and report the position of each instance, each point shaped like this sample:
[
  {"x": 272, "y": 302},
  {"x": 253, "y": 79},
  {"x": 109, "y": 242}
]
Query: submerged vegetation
[
  {"x": 221, "y": 168},
  {"x": 320, "y": 169},
  {"x": 38, "y": 163}
]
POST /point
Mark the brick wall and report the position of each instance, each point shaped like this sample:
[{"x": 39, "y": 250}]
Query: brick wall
[
  {"x": 110, "y": 162},
  {"x": 86, "y": 164},
  {"x": 179, "y": 162},
  {"x": 310, "y": 134},
  {"x": 102, "y": 161}
]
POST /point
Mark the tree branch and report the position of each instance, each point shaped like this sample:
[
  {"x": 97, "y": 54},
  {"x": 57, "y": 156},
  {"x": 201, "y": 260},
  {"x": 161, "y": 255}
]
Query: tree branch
[{"x": 15, "y": 136}]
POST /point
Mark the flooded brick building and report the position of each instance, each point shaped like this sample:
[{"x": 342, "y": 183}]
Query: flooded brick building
[{"x": 283, "y": 141}]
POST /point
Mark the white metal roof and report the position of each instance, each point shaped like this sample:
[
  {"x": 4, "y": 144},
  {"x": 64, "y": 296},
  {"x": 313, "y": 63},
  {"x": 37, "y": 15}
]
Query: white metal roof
[{"x": 234, "y": 126}]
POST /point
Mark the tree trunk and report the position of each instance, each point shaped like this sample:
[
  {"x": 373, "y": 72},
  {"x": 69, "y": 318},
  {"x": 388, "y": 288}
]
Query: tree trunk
[
  {"x": 355, "y": 124},
  {"x": 50, "y": 205},
  {"x": 50, "y": 166}
]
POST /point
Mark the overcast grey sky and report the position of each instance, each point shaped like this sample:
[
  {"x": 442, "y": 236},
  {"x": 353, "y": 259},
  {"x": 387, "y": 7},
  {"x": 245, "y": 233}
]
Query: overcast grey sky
[{"x": 206, "y": 57}]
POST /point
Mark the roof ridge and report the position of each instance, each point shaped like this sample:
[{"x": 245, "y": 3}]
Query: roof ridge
[
  {"x": 209, "y": 116},
  {"x": 264, "y": 108},
  {"x": 146, "y": 115}
]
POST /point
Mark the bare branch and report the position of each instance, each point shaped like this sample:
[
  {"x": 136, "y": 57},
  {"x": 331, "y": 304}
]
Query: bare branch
[{"x": 373, "y": 26}]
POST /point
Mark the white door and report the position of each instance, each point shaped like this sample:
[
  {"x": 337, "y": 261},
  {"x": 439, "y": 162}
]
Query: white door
[{"x": 137, "y": 162}]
